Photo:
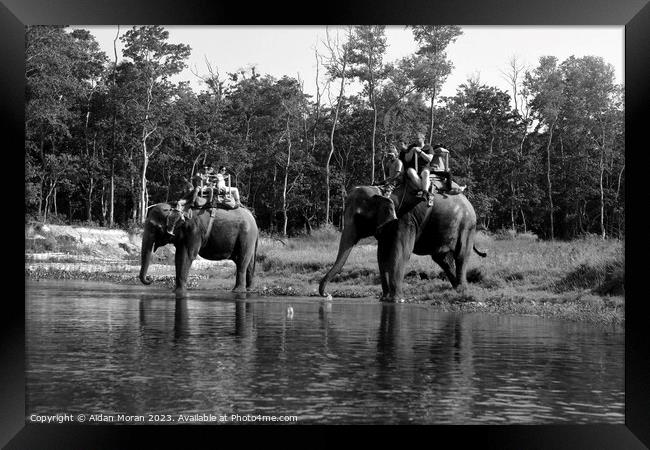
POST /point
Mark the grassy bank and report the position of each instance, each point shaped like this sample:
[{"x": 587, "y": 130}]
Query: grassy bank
[{"x": 576, "y": 280}]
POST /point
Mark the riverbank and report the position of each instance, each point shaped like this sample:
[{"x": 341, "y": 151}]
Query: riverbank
[{"x": 581, "y": 280}]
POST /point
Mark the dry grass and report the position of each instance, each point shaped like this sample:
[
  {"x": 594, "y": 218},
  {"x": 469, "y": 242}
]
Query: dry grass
[
  {"x": 511, "y": 261},
  {"x": 582, "y": 279}
]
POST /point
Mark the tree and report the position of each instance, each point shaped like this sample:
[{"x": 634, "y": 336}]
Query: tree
[
  {"x": 336, "y": 64},
  {"x": 61, "y": 73},
  {"x": 292, "y": 100},
  {"x": 546, "y": 85},
  {"x": 594, "y": 81},
  {"x": 367, "y": 46},
  {"x": 155, "y": 61},
  {"x": 434, "y": 67}
]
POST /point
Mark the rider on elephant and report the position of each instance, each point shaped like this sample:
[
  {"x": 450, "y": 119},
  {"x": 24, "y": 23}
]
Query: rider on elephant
[
  {"x": 394, "y": 171},
  {"x": 440, "y": 168},
  {"x": 417, "y": 158},
  {"x": 204, "y": 180},
  {"x": 223, "y": 189},
  {"x": 201, "y": 181}
]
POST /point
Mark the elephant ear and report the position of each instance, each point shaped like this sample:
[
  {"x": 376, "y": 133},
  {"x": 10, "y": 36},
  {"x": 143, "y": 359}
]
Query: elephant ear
[
  {"x": 157, "y": 223},
  {"x": 384, "y": 212}
]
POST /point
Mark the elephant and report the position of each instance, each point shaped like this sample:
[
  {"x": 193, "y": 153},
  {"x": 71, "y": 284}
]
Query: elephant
[
  {"x": 233, "y": 234},
  {"x": 404, "y": 224}
]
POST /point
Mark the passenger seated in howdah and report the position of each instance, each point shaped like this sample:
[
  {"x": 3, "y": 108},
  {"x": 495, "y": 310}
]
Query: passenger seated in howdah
[
  {"x": 427, "y": 168},
  {"x": 203, "y": 182},
  {"x": 223, "y": 189},
  {"x": 440, "y": 169}
]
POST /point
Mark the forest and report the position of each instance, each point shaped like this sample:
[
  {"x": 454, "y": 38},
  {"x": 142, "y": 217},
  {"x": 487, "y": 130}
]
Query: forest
[{"x": 105, "y": 137}]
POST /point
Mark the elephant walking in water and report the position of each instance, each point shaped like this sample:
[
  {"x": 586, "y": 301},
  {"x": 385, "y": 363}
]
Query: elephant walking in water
[
  {"x": 445, "y": 231},
  {"x": 230, "y": 234}
]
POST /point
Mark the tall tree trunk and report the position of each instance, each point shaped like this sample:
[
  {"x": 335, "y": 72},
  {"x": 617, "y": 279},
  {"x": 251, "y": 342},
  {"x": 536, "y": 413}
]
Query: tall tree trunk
[
  {"x": 134, "y": 200},
  {"x": 103, "y": 204},
  {"x": 618, "y": 185},
  {"x": 286, "y": 179},
  {"x": 329, "y": 155},
  {"x": 143, "y": 183},
  {"x": 317, "y": 119},
  {"x": 602, "y": 194},
  {"x": 512, "y": 207},
  {"x": 111, "y": 215},
  {"x": 548, "y": 176},
  {"x": 343, "y": 194},
  {"x": 48, "y": 204},
  {"x": 41, "y": 177},
  {"x": 89, "y": 163},
  {"x": 275, "y": 196},
  {"x": 374, "y": 131},
  {"x": 433, "y": 108},
  {"x": 89, "y": 210},
  {"x": 145, "y": 154}
]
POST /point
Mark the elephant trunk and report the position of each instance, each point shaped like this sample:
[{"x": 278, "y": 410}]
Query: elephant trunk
[
  {"x": 146, "y": 255},
  {"x": 348, "y": 240}
]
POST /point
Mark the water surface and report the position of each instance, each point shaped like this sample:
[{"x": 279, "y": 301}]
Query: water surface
[{"x": 96, "y": 348}]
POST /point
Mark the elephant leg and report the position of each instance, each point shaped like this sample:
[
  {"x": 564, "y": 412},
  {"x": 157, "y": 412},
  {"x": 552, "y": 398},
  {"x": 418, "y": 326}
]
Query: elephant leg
[
  {"x": 383, "y": 272},
  {"x": 393, "y": 254},
  {"x": 461, "y": 258},
  {"x": 185, "y": 254},
  {"x": 442, "y": 260},
  {"x": 240, "y": 273},
  {"x": 461, "y": 273},
  {"x": 250, "y": 276},
  {"x": 242, "y": 262},
  {"x": 250, "y": 269},
  {"x": 240, "y": 277}
]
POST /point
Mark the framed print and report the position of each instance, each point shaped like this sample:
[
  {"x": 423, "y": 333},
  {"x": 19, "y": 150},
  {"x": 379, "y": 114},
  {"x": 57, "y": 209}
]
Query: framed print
[{"x": 480, "y": 180}]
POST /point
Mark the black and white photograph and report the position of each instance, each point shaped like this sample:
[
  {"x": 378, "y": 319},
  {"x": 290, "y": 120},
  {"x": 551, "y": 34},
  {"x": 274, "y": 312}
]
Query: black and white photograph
[
  {"x": 292, "y": 225},
  {"x": 368, "y": 224}
]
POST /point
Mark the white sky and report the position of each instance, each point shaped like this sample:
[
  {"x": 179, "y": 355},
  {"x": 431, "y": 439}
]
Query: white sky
[{"x": 289, "y": 50}]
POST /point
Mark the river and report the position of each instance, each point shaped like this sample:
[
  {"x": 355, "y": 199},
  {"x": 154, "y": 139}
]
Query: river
[{"x": 102, "y": 348}]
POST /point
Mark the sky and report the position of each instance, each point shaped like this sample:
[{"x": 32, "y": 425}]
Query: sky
[{"x": 481, "y": 51}]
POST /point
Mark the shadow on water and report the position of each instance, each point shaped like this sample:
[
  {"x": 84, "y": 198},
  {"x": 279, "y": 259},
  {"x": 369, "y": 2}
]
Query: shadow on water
[{"x": 327, "y": 362}]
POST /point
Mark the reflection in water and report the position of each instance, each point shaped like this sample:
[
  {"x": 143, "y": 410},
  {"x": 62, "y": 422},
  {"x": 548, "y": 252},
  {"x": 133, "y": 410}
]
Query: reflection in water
[
  {"x": 127, "y": 349},
  {"x": 181, "y": 320}
]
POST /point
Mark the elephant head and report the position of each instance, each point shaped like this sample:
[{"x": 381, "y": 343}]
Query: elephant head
[
  {"x": 367, "y": 213},
  {"x": 153, "y": 236}
]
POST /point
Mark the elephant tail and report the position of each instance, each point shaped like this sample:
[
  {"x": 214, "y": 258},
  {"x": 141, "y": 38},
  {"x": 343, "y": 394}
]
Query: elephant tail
[
  {"x": 479, "y": 253},
  {"x": 255, "y": 255}
]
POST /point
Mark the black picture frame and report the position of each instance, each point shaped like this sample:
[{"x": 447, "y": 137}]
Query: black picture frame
[{"x": 633, "y": 14}]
